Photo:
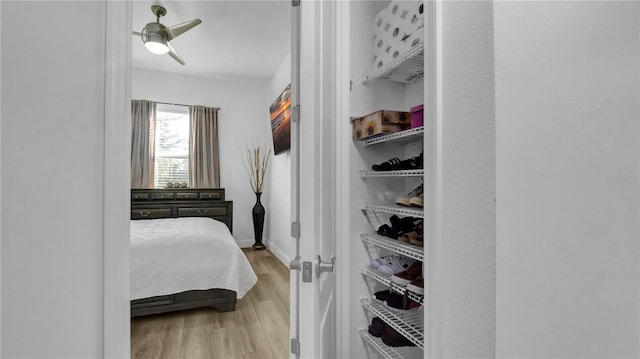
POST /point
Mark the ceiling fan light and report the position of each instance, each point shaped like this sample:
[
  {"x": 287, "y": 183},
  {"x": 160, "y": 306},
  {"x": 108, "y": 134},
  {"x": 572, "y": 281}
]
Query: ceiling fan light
[
  {"x": 156, "y": 47},
  {"x": 154, "y": 42}
]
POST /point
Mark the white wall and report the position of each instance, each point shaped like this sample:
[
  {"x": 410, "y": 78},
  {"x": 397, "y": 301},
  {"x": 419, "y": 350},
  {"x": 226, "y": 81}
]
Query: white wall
[
  {"x": 462, "y": 249},
  {"x": 279, "y": 185},
  {"x": 52, "y": 179},
  {"x": 567, "y": 172},
  {"x": 244, "y": 116}
]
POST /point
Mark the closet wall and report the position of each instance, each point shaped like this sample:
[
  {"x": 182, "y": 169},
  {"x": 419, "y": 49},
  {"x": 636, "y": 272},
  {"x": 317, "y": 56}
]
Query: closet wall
[{"x": 568, "y": 149}]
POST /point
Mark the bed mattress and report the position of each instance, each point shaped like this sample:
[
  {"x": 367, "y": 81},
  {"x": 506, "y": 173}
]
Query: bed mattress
[{"x": 173, "y": 255}]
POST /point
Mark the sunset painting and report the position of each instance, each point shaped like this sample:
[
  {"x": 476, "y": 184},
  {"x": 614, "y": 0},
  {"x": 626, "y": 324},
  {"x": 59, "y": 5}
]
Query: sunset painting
[{"x": 281, "y": 121}]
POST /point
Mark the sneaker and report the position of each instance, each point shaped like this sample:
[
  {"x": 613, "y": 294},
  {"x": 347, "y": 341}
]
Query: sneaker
[
  {"x": 417, "y": 286},
  {"x": 405, "y": 200},
  {"x": 375, "y": 263},
  {"x": 394, "y": 339},
  {"x": 409, "y": 275},
  {"x": 395, "y": 264},
  {"x": 417, "y": 201}
]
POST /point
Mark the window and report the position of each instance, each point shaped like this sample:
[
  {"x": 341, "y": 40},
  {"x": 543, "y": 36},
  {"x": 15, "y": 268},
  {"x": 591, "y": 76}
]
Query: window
[{"x": 171, "y": 145}]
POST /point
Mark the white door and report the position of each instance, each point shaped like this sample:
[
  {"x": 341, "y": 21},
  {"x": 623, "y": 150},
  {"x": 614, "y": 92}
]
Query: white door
[{"x": 313, "y": 291}]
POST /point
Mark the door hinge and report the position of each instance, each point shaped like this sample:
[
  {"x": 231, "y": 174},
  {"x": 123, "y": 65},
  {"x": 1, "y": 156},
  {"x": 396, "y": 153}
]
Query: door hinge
[
  {"x": 295, "y": 2},
  {"x": 295, "y": 346},
  {"x": 295, "y": 229},
  {"x": 295, "y": 113}
]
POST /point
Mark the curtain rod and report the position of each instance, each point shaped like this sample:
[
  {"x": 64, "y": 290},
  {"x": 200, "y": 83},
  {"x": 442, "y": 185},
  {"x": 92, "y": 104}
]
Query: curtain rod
[{"x": 179, "y": 104}]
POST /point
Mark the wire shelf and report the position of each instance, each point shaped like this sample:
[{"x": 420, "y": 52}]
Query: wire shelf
[
  {"x": 407, "y": 68},
  {"x": 403, "y": 173},
  {"x": 410, "y": 325},
  {"x": 405, "y": 249},
  {"x": 390, "y": 352},
  {"x": 393, "y": 209},
  {"x": 385, "y": 280},
  {"x": 402, "y": 135}
]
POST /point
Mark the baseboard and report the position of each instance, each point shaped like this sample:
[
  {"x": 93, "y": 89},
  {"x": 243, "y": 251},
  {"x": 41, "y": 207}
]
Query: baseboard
[
  {"x": 283, "y": 257},
  {"x": 245, "y": 243}
]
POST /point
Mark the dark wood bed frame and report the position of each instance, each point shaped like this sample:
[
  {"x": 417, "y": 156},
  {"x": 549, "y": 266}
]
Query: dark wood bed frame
[{"x": 183, "y": 202}]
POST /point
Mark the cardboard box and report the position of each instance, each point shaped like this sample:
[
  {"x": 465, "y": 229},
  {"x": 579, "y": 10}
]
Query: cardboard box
[
  {"x": 417, "y": 116},
  {"x": 380, "y": 123}
]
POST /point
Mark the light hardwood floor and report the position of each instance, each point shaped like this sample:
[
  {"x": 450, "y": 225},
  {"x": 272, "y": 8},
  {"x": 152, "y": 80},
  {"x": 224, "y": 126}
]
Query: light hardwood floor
[{"x": 258, "y": 328}]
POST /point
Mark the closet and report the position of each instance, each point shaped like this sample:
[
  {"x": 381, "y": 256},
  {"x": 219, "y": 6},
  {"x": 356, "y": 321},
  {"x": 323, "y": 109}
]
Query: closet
[{"x": 394, "y": 83}]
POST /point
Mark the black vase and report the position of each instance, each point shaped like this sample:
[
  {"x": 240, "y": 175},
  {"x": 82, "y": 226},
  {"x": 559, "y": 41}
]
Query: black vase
[{"x": 258, "y": 222}]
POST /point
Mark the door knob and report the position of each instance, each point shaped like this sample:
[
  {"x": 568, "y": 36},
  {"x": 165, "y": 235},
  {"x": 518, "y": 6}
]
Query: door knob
[{"x": 324, "y": 266}]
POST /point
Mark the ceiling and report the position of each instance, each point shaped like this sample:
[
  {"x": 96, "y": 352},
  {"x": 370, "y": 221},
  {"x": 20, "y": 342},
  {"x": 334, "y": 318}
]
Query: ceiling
[{"x": 235, "y": 39}]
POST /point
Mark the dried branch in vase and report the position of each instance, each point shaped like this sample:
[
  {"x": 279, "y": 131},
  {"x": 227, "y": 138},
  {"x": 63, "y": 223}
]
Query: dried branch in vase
[{"x": 256, "y": 163}]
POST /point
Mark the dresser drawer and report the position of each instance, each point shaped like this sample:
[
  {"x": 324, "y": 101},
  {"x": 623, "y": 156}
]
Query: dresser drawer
[
  {"x": 162, "y": 196},
  {"x": 141, "y": 196},
  {"x": 213, "y": 196},
  {"x": 186, "y": 195},
  {"x": 150, "y": 213},
  {"x": 202, "y": 212}
]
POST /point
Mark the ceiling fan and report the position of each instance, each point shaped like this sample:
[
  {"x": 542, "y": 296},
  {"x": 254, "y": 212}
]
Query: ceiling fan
[{"x": 156, "y": 36}]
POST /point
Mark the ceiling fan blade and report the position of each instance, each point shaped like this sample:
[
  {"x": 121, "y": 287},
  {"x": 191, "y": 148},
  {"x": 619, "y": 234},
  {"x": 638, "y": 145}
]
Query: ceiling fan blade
[
  {"x": 137, "y": 33},
  {"x": 172, "y": 52},
  {"x": 176, "y": 30}
]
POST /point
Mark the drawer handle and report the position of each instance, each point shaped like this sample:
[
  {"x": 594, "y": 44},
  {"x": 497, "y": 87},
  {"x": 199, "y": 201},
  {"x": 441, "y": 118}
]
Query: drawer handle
[
  {"x": 144, "y": 214},
  {"x": 202, "y": 211}
]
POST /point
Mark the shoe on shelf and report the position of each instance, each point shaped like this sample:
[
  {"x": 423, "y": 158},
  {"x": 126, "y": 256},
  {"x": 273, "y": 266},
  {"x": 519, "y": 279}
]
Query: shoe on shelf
[
  {"x": 405, "y": 200},
  {"x": 418, "y": 241},
  {"x": 386, "y": 166},
  {"x": 377, "y": 327},
  {"x": 394, "y": 339},
  {"x": 385, "y": 230},
  {"x": 417, "y": 201},
  {"x": 417, "y": 286},
  {"x": 376, "y": 262},
  {"x": 414, "y": 163},
  {"x": 395, "y": 164},
  {"x": 383, "y": 295},
  {"x": 399, "y": 302},
  {"x": 407, "y": 237},
  {"x": 395, "y": 264},
  {"x": 408, "y": 275}
]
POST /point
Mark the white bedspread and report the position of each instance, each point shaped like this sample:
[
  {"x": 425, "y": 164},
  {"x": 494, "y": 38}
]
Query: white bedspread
[{"x": 173, "y": 255}]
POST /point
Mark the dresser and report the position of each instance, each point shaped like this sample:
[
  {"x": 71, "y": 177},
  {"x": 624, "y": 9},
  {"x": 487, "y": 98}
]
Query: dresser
[{"x": 182, "y": 202}]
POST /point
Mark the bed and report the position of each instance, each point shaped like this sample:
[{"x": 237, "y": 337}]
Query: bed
[{"x": 182, "y": 253}]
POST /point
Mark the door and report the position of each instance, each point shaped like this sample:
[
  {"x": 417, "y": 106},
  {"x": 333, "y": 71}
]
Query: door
[{"x": 314, "y": 207}]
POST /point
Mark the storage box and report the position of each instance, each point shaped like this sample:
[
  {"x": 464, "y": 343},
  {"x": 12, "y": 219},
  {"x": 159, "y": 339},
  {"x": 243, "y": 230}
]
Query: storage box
[
  {"x": 379, "y": 123},
  {"x": 417, "y": 117}
]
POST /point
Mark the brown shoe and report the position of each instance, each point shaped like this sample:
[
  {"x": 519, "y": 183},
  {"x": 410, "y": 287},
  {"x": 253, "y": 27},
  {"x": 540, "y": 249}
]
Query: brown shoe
[
  {"x": 408, "y": 237},
  {"x": 394, "y": 339},
  {"x": 408, "y": 275},
  {"x": 417, "y": 241}
]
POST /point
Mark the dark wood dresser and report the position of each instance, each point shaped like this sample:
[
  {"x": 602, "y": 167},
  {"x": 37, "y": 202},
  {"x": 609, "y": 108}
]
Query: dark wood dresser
[{"x": 182, "y": 202}]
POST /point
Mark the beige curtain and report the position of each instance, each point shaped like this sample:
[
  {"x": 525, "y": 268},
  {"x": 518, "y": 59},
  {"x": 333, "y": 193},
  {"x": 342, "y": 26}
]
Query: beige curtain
[
  {"x": 204, "y": 154},
  {"x": 143, "y": 119}
]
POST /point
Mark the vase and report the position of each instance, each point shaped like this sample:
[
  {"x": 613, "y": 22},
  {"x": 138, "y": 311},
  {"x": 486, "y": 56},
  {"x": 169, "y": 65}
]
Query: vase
[{"x": 258, "y": 222}]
